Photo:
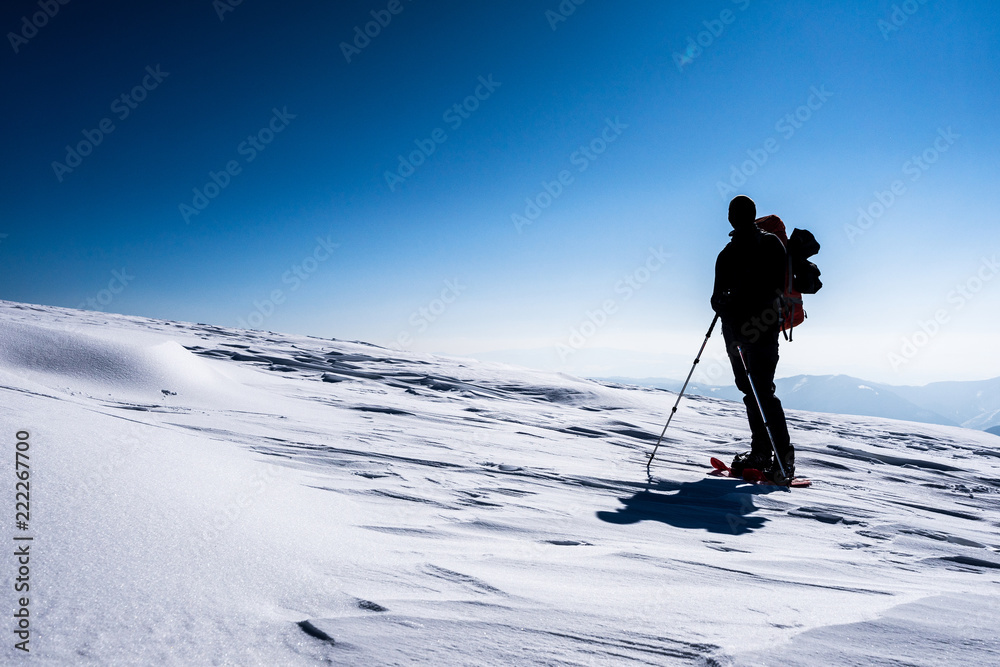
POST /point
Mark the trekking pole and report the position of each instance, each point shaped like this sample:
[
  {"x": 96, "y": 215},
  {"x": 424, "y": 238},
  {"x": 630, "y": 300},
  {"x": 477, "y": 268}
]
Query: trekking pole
[
  {"x": 767, "y": 427},
  {"x": 683, "y": 389}
]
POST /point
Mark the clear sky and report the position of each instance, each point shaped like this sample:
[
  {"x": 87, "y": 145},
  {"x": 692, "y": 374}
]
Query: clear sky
[{"x": 270, "y": 165}]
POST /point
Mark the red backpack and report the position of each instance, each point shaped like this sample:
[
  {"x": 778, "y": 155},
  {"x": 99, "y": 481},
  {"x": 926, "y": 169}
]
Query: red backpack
[{"x": 801, "y": 275}]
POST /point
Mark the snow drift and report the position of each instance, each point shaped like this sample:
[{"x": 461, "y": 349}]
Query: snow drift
[{"x": 291, "y": 500}]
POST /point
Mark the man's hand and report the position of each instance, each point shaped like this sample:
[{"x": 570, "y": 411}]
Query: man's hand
[{"x": 722, "y": 303}]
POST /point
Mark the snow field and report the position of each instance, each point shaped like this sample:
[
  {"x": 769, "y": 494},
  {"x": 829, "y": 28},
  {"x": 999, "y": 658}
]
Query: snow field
[{"x": 290, "y": 500}]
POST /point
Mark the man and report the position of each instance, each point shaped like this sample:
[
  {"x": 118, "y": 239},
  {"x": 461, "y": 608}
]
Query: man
[{"x": 749, "y": 282}]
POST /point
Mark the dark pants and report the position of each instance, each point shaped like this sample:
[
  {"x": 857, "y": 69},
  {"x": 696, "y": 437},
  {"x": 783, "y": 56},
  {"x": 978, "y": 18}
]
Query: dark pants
[{"x": 762, "y": 359}]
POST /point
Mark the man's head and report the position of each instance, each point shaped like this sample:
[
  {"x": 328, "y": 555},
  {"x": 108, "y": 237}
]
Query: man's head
[{"x": 742, "y": 211}]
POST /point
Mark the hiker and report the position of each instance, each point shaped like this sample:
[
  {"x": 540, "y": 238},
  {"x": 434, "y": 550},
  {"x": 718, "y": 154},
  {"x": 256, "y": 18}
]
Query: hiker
[{"x": 750, "y": 276}]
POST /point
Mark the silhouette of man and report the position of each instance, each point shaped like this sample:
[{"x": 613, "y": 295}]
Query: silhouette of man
[{"x": 749, "y": 282}]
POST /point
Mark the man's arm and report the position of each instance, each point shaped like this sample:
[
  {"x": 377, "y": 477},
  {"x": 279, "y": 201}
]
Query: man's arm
[{"x": 722, "y": 296}]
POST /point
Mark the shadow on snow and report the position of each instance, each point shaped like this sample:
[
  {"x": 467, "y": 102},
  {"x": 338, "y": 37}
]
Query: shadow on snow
[{"x": 713, "y": 505}]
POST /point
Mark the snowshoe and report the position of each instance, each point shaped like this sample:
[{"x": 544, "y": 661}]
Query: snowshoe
[{"x": 750, "y": 460}]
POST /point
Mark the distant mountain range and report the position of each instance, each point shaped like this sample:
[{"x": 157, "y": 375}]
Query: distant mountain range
[{"x": 973, "y": 405}]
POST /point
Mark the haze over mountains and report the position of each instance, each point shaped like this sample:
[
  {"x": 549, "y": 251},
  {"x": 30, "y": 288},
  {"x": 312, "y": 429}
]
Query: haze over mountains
[{"x": 974, "y": 405}]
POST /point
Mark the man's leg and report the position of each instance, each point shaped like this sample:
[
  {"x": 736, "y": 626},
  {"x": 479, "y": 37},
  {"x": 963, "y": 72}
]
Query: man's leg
[
  {"x": 764, "y": 363},
  {"x": 760, "y": 443}
]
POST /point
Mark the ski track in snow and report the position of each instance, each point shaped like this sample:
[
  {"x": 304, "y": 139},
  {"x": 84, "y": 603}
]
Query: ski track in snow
[{"x": 205, "y": 495}]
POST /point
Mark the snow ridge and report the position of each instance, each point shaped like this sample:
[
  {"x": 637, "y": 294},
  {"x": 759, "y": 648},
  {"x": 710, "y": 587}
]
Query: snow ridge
[{"x": 217, "y": 495}]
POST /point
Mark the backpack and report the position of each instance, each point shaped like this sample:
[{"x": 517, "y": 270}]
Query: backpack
[{"x": 802, "y": 276}]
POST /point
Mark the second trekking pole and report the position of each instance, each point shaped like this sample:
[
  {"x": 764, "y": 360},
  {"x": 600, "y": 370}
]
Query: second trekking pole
[{"x": 683, "y": 389}]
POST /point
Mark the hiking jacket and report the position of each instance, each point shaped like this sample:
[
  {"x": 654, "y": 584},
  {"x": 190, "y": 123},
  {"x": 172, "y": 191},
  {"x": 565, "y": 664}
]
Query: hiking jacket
[{"x": 749, "y": 280}]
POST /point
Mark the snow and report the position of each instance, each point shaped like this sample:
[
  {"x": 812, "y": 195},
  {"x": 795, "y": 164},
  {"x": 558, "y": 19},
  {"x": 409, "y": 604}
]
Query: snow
[{"x": 305, "y": 501}]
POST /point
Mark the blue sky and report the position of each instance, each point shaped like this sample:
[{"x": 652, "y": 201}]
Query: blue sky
[{"x": 641, "y": 135}]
